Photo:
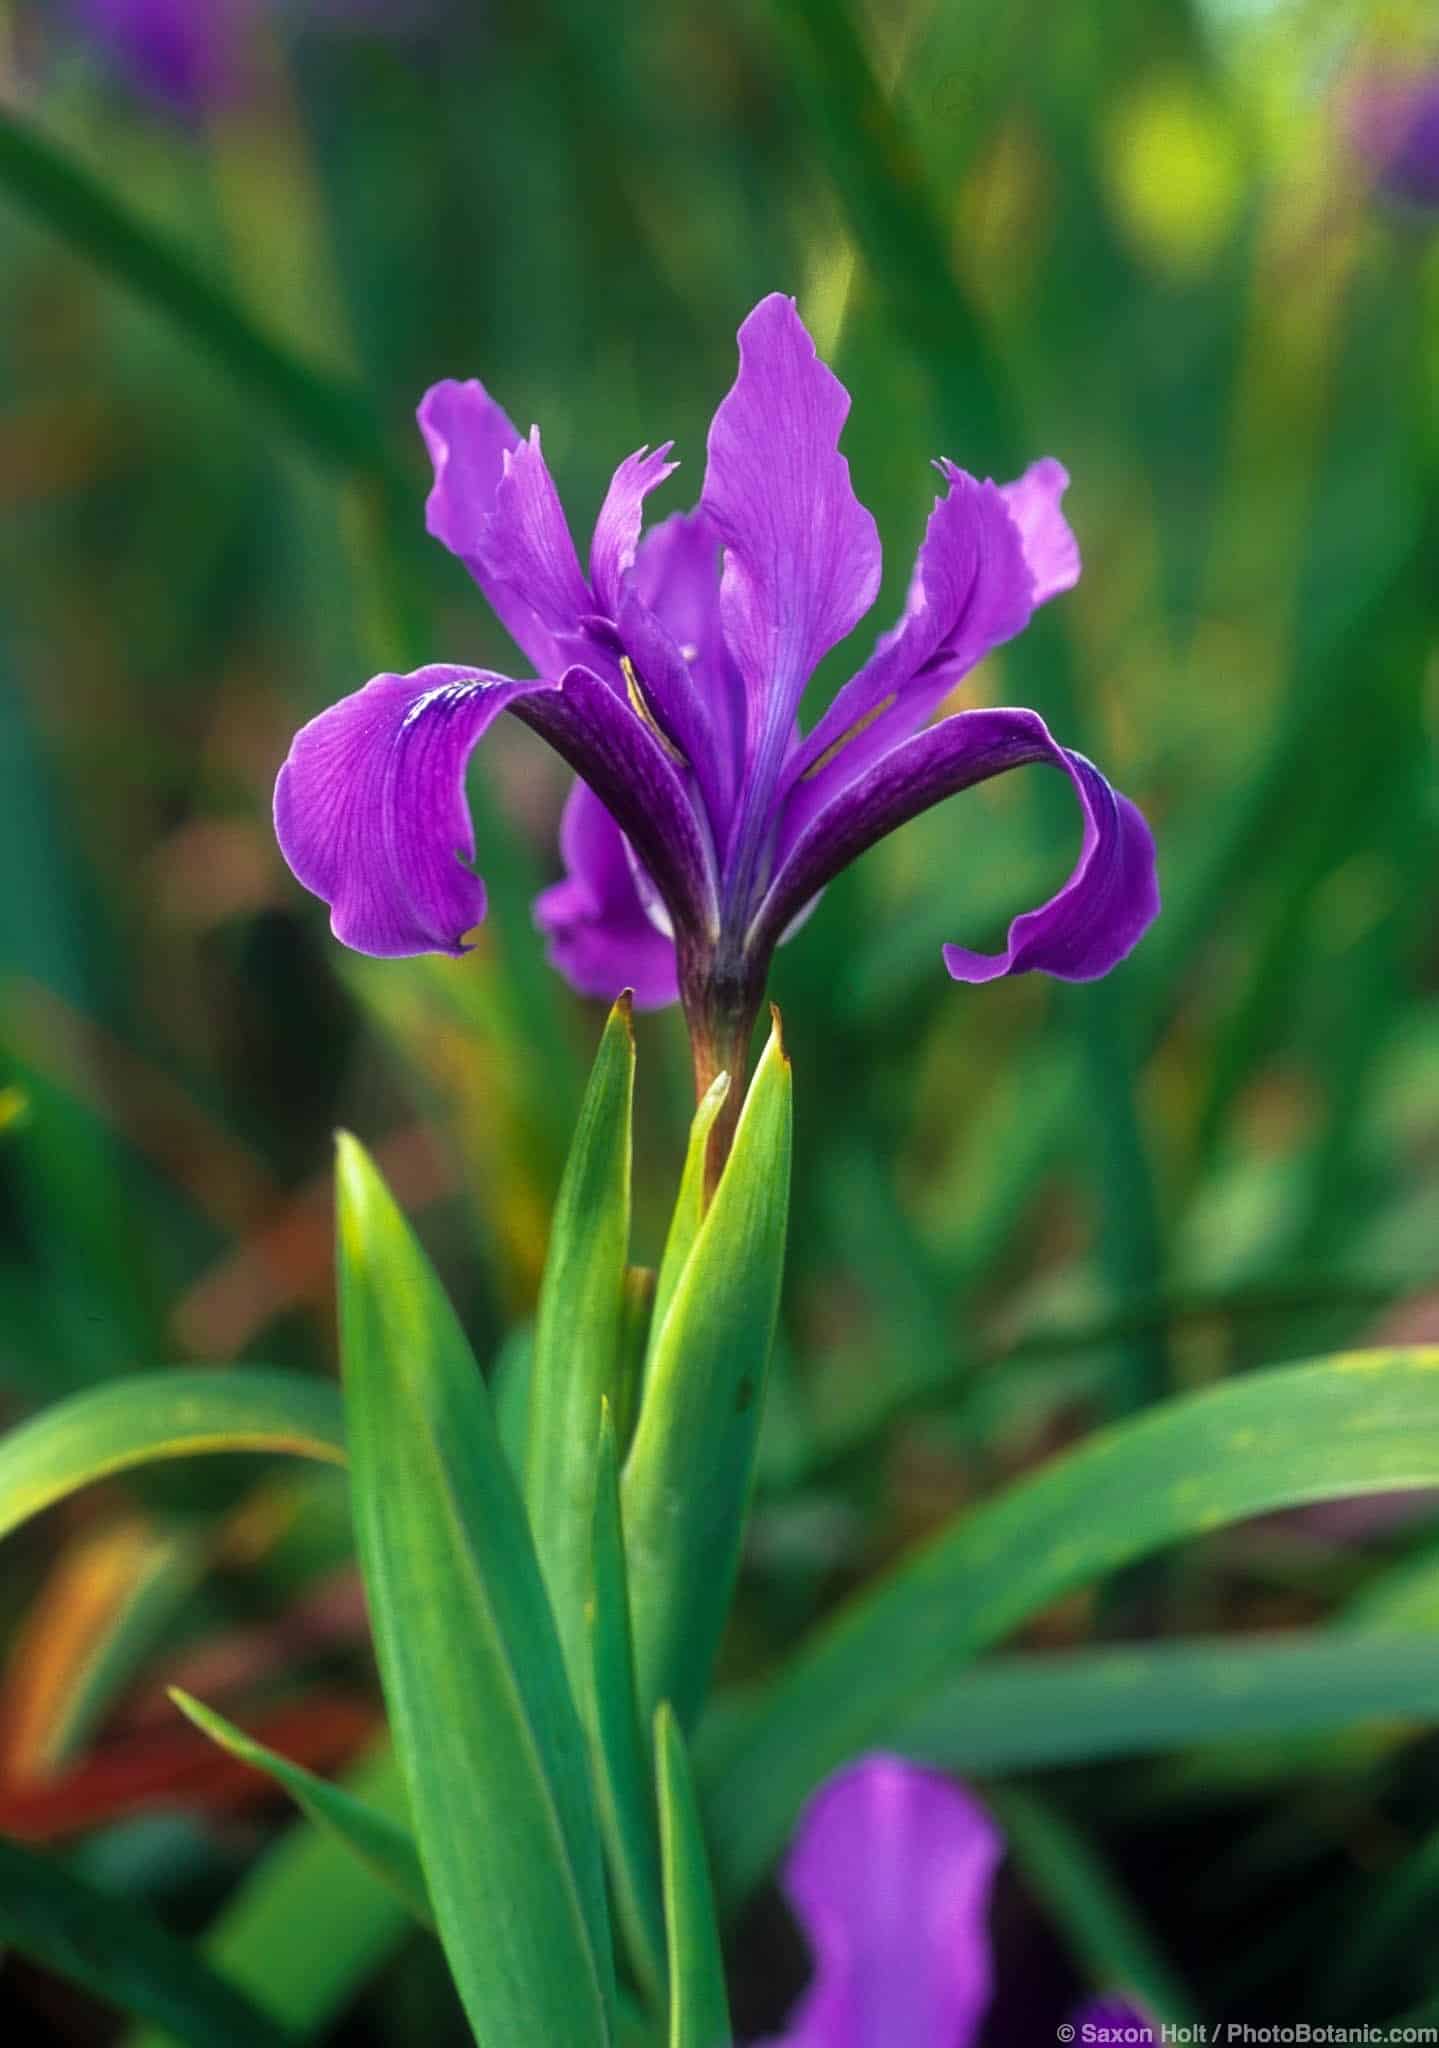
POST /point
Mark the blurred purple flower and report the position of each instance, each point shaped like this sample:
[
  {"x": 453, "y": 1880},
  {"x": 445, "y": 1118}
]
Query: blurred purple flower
[
  {"x": 1394, "y": 123},
  {"x": 187, "y": 53},
  {"x": 672, "y": 685},
  {"x": 191, "y": 54},
  {"x": 890, "y": 1874}
]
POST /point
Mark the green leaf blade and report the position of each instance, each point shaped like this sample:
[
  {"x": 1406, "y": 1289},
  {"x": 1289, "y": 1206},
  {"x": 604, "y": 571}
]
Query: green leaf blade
[
  {"x": 1359, "y": 1423},
  {"x": 688, "y": 1477},
  {"x": 624, "y": 1775},
  {"x": 699, "y": 2006},
  {"x": 483, "y": 1721},
  {"x": 579, "y": 1333},
  {"x": 309, "y": 1923},
  {"x": 157, "y": 1415},
  {"x": 379, "y": 1841}
]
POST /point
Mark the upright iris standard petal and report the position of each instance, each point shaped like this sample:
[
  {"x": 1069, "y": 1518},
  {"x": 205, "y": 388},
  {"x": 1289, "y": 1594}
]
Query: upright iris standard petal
[
  {"x": 469, "y": 435},
  {"x": 1104, "y": 908},
  {"x": 600, "y": 936},
  {"x": 676, "y": 577},
  {"x": 890, "y": 1875},
  {"x": 973, "y": 588},
  {"x": 1050, "y": 548},
  {"x": 801, "y": 554},
  {"x": 526, "y": 544},
  {"x": 617, "y": 529},
  {"x": 370, "y": 808}
]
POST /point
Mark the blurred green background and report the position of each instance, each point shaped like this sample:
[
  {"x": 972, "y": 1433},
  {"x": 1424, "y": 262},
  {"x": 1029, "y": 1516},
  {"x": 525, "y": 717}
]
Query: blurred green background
[{"x": 1130, "y": 233}]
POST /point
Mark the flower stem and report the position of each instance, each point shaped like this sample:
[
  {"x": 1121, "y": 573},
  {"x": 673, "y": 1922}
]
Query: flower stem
[{"x": 719, "y": 1044}]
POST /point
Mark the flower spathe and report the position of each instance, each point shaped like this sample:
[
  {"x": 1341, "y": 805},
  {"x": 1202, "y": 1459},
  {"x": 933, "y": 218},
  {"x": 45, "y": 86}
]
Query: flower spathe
[
  {"x": 890, "y": 1875},
  {"x": 668, "y": 671}
]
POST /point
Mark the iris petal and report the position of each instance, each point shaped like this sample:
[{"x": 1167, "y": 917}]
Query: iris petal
[
  {"x": 890, "y": 1875},
  {"x": 617, "y": 529},
  {"x": 468, "y": 435},
  {"x": 802, "y": 555},
  {"x": 1087, "y": 927},
  {"x": 370, "y": 808},
  {"x": 600, "y": 936}
]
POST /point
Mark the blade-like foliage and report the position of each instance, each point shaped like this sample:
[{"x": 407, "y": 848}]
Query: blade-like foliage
[
  {"x": 163, "y": 1415},
  {"x": 688, "y": 1476},
  {"x": 310, "y": 1922},
  {"x": 379, "y": 1842},
  {"x": 699, "y": 2008},
  {"x": 578, "y": 1335},
  {"x": 486, "y": 1730},
  {"x": 1360, "y": 1423},
  {"x": 624, "y": 1776}
]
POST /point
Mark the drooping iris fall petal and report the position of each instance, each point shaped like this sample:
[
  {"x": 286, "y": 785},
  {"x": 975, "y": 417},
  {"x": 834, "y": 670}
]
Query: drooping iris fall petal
[
  {"x": 1087, "y": 927},
  {"x": 600, "y": 935},
  {"x": 890, "y": 1874},
  {"x": 370, "y": 808}
]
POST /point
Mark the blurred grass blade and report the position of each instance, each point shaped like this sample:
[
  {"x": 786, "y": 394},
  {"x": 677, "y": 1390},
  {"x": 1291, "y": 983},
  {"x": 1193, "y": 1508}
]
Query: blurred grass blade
[
  {"x": 1360, "y": 1423},
  {"x": 483, "y": 1722},
  {"x": 578, "y": 1331},
  {"x": 699, "y": 2008},
  {"x": 163, "y": 1415},
  {"x": 688, "y": 1476},
  {"x": 623, "y": 1773},
  {"x": 329, "y": 417},
  {"x": 112, "y": 1594},
  {"x": 878, "y": 175},
  {"x": 310, "y": 1922},
  {"x": 105, "y": 1945},
  {"x": 1105, "y": 1932},
  {"x": 374, "y": 1837},
  {"x": 1035, "y": 1711}
]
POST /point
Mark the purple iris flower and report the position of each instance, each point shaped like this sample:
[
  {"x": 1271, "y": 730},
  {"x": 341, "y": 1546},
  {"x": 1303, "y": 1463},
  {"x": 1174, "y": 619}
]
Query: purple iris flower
[
  {"x": 890, "y": 1874},
  {"x": 1394, "y": 122},
  {"x": 669, "y": 673}
]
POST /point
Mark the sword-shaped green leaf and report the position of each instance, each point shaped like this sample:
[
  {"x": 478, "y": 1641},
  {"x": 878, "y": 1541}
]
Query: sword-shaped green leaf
[
  {"x": 578, "y": 1336},
  {"x": 163, "y": 1414},
  {"x": 1361, "y": 1423},
  {"x": 623, "y": 1773},
  {"x": 699, "y": 2008},
  {"x": 688, "y": 1476},
  {"x": 379, "y": 1841},
  {"x": 483, "y": 1721}
]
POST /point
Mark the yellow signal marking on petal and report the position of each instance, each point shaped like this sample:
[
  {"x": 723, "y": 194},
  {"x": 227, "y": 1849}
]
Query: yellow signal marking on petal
[
  {"x": 642, "y": 711},
  {"x": 860, "y": 725}
]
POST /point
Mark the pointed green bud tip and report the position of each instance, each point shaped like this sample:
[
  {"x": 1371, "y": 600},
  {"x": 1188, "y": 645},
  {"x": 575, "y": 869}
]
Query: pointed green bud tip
[{"x": 359, "y": 1188}]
